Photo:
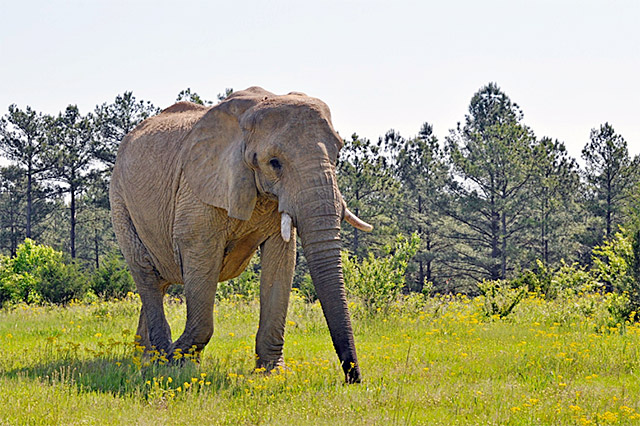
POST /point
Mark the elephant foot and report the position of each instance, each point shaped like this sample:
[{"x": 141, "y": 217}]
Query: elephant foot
[
  {"x": 149, "y": 352},
  {"x": 272, "y": 366},
  {"x": 180, "y": 355}
]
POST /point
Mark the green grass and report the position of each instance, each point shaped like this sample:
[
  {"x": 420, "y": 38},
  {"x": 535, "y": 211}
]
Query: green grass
[{"x": 438, "y": 361}]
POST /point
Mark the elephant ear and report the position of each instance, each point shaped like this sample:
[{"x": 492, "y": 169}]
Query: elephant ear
[{"x": 213, "y": 162}]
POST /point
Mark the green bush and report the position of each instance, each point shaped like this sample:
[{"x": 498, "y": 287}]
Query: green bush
[
  {"x": 377, "y": 282},
  {"x": 8, "y": 288},
  {"x": 60, "y": 283},
  {"x": 307, "y": 290},
  {"x": 567, "y": 280},
  {"x": 500, "y": 297},
  {"x": 613, "y": 264},
  {"x": 572, "y": 279},
  {"x": 620, "y": 308},
  {"x": 112, "y": 279},
  {"x": 39, "y": 273},
  {"x": 536, "y": 280},
  {"x": 635, "y": 263}
]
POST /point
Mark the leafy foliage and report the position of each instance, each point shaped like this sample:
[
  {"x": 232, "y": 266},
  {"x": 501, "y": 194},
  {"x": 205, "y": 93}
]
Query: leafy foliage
[
  {"x": 307, "y": 290},
  {"x": 112, "y": 279},
  {"x": 613, "y": 266},
  {"x": 421, "y": 168},
  {"x": 38, "y": 273},
  {"x": 377, "y": 282},
  {"x": 553, "y": 205},
  {"x": 72, "y": 156},
  {"x": 189, "y": 96},
  {"x": 486, "y": 203},
  {"x": 23, "y": 140},
  {"x": 500, "y": 298}
]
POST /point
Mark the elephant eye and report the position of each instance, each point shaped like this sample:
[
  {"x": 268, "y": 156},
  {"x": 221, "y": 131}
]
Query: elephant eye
[{"x": 275, "y": 163}]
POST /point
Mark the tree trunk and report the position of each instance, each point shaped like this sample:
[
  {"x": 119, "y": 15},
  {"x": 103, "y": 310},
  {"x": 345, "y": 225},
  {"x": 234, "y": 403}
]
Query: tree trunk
[
  {"x": 420, "y": 262},
  {"x": 96, "y": 248},
  {"x": 608, "y": 219},
  {"x": 356, "y": 235},
  {"x": 429, "y": 274},
  {"x": 72, "y": 233},
  {"x": 14, "y": 238},
  {"x": 495, "y": 250},
  {"x": 503, "y": 254},
  {"x": 29, "y": 198}
]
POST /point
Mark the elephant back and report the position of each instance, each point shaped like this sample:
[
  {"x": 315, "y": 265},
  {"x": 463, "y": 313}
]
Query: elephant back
[{"x": 146, "y": 175}]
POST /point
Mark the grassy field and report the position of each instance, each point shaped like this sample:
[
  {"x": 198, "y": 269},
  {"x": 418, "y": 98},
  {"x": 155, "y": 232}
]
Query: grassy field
[{"x": 436, "y": 361}]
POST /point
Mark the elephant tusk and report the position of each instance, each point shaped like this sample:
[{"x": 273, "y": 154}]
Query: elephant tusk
[
  {"x": 356, "y": 222},
  {"x": 285, "y": 227}
]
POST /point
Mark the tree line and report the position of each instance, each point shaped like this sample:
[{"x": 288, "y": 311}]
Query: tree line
[
  {"x": 55, "y": 188},
  {"x": 487, "y": 201},
  {"x": 491, "y": 198}
]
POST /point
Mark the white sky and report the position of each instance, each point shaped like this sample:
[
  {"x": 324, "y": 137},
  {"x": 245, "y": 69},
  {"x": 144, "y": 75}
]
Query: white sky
[{"x": 570, "y": 65}]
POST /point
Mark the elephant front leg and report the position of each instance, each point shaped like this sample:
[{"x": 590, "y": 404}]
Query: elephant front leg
[
  {"x": 200, "y": 271},
  {"x": 278, "y": 261}
]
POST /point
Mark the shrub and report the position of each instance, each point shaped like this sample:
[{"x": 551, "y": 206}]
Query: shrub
[
  {"x": 38, "y": 273},
  {"x": 307, "y": 290},
  {"x": 500, "y": 298},
  {"x": 567, "y": 280},
  {"x": 613, "y": 264},
  {"x": 8, "y": 288},
  {"x": 620, "y": 308},
  {"x": 635, "y": 249},
  {"x": 377, "y": 282},
  {"x": 61, "y": 283},
  {"x": 572, "y": 279},
  {"x": 112, "y": 279},
  {"x": 536, "y": 280}
]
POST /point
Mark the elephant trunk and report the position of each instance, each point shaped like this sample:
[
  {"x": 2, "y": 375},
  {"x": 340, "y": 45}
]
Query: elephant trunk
[{"x": 319, "y": 228}]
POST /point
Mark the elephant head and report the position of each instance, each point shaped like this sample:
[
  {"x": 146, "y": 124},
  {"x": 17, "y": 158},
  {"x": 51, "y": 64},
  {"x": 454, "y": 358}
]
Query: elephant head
[{"x": 258, "y": 144}]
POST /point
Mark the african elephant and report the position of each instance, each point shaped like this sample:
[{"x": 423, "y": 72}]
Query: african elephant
[{"x": 196, "y": 190}]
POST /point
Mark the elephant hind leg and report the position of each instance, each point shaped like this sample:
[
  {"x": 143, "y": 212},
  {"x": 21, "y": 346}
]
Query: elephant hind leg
[{"x": 153, "y": 328}]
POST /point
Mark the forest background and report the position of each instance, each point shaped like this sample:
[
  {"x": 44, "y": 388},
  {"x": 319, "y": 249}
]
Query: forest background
[{"x": 491, "y": 201}]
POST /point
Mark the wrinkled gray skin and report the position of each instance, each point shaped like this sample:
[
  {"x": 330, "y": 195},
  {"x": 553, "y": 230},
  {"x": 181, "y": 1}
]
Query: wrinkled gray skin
[{"x": 195, "y": 191}]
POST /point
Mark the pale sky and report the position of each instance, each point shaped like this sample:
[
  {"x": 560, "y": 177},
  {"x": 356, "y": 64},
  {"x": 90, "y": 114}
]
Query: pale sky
[{"x": 570, "y": 65}]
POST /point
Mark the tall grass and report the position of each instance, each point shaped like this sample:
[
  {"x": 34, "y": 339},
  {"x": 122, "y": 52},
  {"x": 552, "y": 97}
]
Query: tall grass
[{"x": 437, "y": 361}]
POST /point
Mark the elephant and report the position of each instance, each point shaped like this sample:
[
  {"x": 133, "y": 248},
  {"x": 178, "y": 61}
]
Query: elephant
[{"x": 196, "y": 190}]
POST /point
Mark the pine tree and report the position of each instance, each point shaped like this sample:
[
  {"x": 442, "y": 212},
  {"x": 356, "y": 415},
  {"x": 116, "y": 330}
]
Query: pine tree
[
  {"x": 12, "y": 210},
  {"x": 22, "y": 141},
  {"x": 610, "y": 175},
  {"x": 553, "y": 190},
  {"x": 421, "y": 169},
  {"x": 73, "y": 138},
  {"x": 113, "y": 122},
  {"x": 370, "y": 190},
  {"x": 189, "y": 96},
  {"x": 491, "y": 158}
]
